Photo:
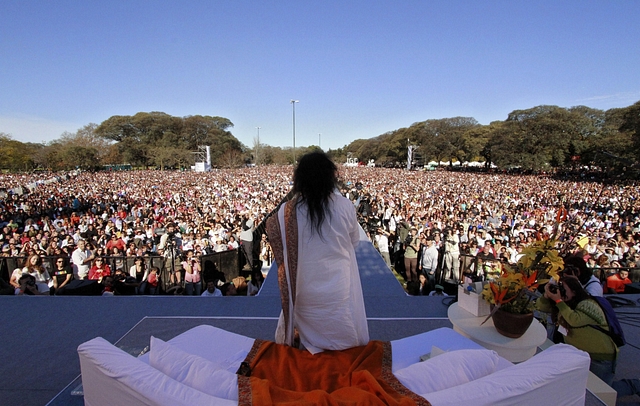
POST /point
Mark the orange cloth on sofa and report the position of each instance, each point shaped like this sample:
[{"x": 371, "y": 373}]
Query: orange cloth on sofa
[{"x": 357, "y": 376}]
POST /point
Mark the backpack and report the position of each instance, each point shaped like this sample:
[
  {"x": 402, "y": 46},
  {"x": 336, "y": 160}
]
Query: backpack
[{"x": 615, "y": 330}]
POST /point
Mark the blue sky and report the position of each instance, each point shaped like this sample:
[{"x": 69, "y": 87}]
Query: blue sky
[{"x": 358, "y": 68}]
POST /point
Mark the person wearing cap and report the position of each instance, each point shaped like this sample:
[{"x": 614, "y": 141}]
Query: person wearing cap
[{"x": 438, "y": 291}]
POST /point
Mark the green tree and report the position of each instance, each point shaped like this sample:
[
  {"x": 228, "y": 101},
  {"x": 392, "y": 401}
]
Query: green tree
[
  {"x": 16, "y": 156},
  {"x": 140, "y": 137}
]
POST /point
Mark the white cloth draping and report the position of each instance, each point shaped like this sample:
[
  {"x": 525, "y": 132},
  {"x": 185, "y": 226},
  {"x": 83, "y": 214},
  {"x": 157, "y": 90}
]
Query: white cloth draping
[{"x": 329, "y": 309}]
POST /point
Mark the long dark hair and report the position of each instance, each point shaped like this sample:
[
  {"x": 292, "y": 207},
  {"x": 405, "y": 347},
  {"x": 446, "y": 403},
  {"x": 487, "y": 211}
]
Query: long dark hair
[
  {"x": 579, "y": 294},
  {"x": 314, "y": 180}
]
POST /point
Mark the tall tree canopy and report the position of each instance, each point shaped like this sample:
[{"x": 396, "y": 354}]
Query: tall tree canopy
[{"x": 160, "y": 139}]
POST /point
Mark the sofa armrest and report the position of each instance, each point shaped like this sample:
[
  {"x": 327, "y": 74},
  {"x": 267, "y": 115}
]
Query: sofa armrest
[{"x": 110, "y": 376}]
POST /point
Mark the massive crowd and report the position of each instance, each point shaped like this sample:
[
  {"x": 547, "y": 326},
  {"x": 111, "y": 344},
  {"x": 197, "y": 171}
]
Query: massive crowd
[{"x": 425, "y": 224}]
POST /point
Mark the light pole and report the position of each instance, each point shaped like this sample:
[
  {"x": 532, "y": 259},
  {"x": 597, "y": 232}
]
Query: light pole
[
  {"x": 319, "y": 143},
  {"x": 293, "y": 106},
  {"x": 257, "y": 146}
]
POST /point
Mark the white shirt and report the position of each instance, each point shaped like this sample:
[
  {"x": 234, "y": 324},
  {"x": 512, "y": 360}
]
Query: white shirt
[
  {"x": 80, "y": 270},
  {"x": 216, "y": 293},
  {"x": 430, "y": 258},
  {"x": 383, "y": 242}
]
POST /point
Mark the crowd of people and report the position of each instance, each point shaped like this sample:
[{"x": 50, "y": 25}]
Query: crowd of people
[
  {"x": 429, "y": 226},
  {"x": 434, "y": 227}
]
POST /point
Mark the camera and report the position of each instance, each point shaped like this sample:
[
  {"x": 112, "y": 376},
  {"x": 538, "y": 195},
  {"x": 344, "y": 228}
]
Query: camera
[
  {"x": 408, "y": 240},
  {"x": 555, "y": 288}
]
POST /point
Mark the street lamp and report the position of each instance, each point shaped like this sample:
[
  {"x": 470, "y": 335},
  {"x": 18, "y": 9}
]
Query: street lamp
[
  {"x": 293, "y": 106},
  {"x": 319, "y": 143},
  {"x": 257, "y": 145}
]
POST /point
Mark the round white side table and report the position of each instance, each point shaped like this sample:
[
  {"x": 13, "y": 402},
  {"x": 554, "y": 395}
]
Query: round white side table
[{"x": 512, "y": 349}]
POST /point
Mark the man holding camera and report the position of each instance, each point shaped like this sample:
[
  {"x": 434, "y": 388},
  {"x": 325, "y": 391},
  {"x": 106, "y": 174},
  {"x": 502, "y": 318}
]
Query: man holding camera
[
  {"x": 412, "y": 246},
  {"x": 168, "y": 247}
]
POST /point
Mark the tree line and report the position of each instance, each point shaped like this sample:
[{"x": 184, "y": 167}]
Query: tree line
[{"x": 539, "y": 138}]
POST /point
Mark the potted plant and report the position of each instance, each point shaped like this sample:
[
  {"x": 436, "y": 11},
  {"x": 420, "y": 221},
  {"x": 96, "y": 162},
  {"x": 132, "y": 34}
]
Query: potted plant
[{"x": 512, "y": 295}]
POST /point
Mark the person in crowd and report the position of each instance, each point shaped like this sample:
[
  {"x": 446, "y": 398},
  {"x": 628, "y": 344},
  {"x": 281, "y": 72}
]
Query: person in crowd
[
  {"x": 115, "y": 241},
  {"x": 382, "y": 242},
  {"x": 109, "y": 288},
  {"x": 191, "y": 267},
  {"x": 33, "y": 266},
  {"x": 153, "y": 281},
  {"x": 14, "y": 280},
  {"x": 329, "y": 311},
  {"x": 412, "y": 246},
  {"x": 211, "y": 290},
  {"x": 617, "y": 282},
  {"x": 438, "y": 291},
  {"x": 99, "y": 270},
  {"x": 424, "y": 287},
  {"x": 451, "y": 255},
  {"x": 255, "y": 283},
  {"x": 27, "y": 286},
  {"x": 62, "y": 275},
  {"x": 575, "y": 311},
  {"x": 246, "y": 236},
  {"x": 228, "y": 289},
  {"x": 82, "y": 258},
  {"x": 168, "y": 247},
  {"x": 233, "y": 244},
  {"x": 265, "y": 250},
  {"x": 140, "y": 273},
  {"x": 575, "y": 265},
  {"x": 429, "y": 262}
]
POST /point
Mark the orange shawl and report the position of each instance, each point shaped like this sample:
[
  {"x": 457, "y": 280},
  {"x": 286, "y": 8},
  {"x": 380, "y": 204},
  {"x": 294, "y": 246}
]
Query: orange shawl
[{"x": 277, "y": 374}]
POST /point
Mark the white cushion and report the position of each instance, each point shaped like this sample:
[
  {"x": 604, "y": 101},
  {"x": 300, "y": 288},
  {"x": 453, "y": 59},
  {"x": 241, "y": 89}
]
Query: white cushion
[
  {"x": 557, "y": 375},
  {"x": 448, "y": 370},
  {"x": 193, "y": 371}
]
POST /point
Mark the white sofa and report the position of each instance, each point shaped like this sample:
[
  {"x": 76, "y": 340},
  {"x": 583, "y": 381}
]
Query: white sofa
[{"x": 198, "y": 368}]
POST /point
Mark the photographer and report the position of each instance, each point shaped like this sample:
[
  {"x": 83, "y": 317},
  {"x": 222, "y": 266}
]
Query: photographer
[
  {"x": 191, "y": 267},
  {"x": 573, "y": 310},
  {"x": 168, "y": 246},
  {"x": 28, "y": 286},
  {"x": 412, "y": 246}
]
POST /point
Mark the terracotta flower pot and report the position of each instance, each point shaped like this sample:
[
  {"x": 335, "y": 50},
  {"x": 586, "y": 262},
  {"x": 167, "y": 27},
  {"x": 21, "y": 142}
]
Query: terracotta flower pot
[{"x": 510, "y": 324}]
